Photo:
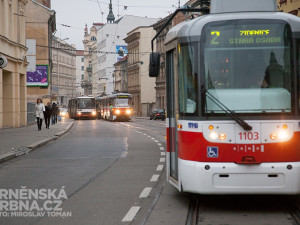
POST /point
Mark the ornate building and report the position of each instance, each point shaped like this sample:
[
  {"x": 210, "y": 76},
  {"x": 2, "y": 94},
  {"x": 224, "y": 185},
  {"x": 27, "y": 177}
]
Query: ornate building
[
  {"x": 140, "y": 85},
  {"x": 64, "y": 71},
  {"x": 13, "y": 94}
]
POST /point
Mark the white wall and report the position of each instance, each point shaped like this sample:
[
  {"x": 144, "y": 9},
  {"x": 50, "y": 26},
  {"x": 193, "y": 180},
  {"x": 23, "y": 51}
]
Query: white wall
[
  {"x": 114, "y": 34},
  {"x": 79, "y": 89}
]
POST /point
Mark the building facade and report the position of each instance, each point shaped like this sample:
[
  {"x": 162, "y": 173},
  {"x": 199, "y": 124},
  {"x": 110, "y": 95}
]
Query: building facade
[
  {"x": 89, "y": 42},
  {"x": 40, "y": 26},
  {"x": 79, "y": 72},
  {"x": 120, "y": 75},
  {"x": 289, "y": 6},
  {"x": 112, "y": 47},
  {"x": 63, "y": 72},
  {"x": 13, "y": 93},
  {"x": 140, "y": 85},
  {"x": 160, "y": 83}
]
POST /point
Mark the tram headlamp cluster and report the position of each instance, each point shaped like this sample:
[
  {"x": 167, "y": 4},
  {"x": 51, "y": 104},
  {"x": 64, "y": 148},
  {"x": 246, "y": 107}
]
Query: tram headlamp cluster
[
  {"x": 213, "y": 135},
  {"x": 79, "y": 113},
  {"x": 94, "y": 113},
  {"x": 128, "y": 111},
  {"x": 117, "y": 111},
  {"x": 281, "y": 135}
]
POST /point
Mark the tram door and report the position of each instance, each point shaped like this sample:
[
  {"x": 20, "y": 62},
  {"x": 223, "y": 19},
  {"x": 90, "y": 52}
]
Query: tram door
[{"x": 171, "y": 112}]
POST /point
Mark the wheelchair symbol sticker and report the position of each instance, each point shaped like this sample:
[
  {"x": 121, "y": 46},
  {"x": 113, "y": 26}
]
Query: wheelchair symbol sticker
[{"x": 212, "y": 152}]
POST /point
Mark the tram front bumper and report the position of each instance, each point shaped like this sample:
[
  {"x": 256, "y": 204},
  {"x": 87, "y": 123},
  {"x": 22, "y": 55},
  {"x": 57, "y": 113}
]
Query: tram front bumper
[{"x": 231, "y": 178}]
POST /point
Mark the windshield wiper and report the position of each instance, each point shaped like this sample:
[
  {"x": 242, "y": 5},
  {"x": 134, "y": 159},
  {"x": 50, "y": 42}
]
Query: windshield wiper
[{"x": 227, "y": 111}]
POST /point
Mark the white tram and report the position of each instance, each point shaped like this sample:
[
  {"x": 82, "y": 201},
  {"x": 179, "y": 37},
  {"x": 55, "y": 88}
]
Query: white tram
[
  {"x": 233, "y": 122},
  {"x": 82, "y": 107}
]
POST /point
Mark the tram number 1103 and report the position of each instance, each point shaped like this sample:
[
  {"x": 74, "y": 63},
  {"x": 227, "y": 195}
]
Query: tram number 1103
[{"x": 249, "y": 136}]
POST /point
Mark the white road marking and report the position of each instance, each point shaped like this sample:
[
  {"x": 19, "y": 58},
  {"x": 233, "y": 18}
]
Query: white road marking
[
  {"x": 162, "y": 159},
  {"x": 152, "y": 138},
  {"x": 159, "y": 168},
  {"x": 145, "y": 192},
  {"x": 161, "y": 148},
  {"x": 149, "y": 136},
  {"x": 154, "y": 178},
  {"x": 131, "y": 214},
  {"x": 159, "y": 144},
  {"x": 162, "y": 153},
  {"x": 155, "y": 140}
]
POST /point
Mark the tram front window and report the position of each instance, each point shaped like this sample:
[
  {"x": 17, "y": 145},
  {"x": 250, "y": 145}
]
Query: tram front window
[
  {"x": 121, "y": 102},
  {"x": 88, "y": 103},
  {"x": 248, "y": 66}
]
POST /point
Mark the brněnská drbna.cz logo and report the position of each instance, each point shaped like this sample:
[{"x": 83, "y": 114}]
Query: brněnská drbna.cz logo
[{"x": 25, "y": 202}]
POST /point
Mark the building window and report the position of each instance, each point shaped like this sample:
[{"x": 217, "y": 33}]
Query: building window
[
  {"x": 90, "y": 51},
  {"x": 82, "y": 59},
  {"x": 90, "y": 92},
  {"x": 82, "y": 76},
  {"x": 90, "y": 77},
  {"x": 82, "y": 68},
  {"x": 93, "y": 38}
]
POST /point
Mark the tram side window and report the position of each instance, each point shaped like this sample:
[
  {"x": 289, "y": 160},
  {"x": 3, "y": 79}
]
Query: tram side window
[{"x": 187, "y": 80}]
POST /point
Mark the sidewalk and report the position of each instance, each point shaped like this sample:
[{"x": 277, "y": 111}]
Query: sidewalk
[{"x": 18, "y": 141}]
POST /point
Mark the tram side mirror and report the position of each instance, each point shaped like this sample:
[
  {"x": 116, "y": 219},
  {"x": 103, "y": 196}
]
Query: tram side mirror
[{"x": 154, "y": 64}]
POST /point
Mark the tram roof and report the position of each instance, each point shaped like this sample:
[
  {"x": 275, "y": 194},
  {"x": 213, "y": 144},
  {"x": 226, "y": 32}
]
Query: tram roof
[
  {"x": 85, "y": 97},
  {"x": 191, "y": 30}
]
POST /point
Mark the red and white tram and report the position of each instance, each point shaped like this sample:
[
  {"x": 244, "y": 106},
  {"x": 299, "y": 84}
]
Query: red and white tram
[
  {"x": 115, "y": 107},
  {"x": 233, "y": 122}
]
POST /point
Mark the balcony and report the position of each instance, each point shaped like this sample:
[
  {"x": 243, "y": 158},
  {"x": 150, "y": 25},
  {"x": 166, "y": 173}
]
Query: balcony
[
  {"x": 89, "y": 69},
  {"x": 86, "y": 83}
]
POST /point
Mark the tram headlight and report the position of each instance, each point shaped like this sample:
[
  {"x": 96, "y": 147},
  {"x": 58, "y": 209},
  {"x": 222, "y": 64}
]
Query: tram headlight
[
  {"x": 213, "y": 135},
  {"x": 118, "y": 111},
  {"x": 273, "y": 136},
  {"x": 79, "y": 113},
  {"x": 128, "y": 111},
  {"x": 283, "y": 135},
  {"x": 94, "y": 113},
  {"x": 222, "y": 137}
]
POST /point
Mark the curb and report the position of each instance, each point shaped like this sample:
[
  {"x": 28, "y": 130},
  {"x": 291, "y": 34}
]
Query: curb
[{"x": 35, "y": 145}]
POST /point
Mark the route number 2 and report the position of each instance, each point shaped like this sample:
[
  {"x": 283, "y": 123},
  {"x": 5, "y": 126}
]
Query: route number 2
[
  {"x": 249, "y": 136},
  {"x": 215, "y": 35}
]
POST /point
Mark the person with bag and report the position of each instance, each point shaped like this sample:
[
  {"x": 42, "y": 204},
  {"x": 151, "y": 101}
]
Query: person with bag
[
  {"x": 53, "y": 113},
  {"x": 39, "y": 112},
  {"x": 47, "y": 114}
]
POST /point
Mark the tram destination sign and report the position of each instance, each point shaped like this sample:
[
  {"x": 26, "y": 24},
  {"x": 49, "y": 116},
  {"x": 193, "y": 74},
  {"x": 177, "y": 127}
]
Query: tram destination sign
[{"x": 246, "y": 35}]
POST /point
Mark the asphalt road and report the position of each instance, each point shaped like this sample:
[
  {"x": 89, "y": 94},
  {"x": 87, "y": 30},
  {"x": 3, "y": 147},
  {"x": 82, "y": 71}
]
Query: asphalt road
[{"x": 102, "y": 167}]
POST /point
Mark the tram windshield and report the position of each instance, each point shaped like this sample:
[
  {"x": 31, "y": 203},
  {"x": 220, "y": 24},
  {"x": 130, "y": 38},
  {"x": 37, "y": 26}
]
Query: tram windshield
[
  {"x": 121, "y": 102},
  {"x": 86, "y": 103},
  {"x": 248, "y": 66}
]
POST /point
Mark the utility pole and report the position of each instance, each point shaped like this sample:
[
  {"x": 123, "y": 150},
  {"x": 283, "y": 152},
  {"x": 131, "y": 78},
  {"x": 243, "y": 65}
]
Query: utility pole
[{"x": 178, "y": 4}]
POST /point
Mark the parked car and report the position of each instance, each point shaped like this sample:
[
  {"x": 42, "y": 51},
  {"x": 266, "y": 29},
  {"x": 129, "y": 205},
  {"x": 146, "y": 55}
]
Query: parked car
[
  {"x": 158, "y": 114},
  {"x": 63, "y": 112}
]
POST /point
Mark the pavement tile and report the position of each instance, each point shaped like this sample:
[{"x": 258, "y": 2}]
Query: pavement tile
[{"x": 12, "y": 140}]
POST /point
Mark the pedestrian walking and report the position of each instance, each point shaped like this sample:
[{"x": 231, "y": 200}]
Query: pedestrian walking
[
  {"x": 53, "y": 113},
  {"x": 39, "y": 112},
  {"x": 47, "y": 114}
]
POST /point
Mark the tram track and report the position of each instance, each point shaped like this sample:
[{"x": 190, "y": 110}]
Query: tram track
[
  {"x": 292, "y": 209},
  {"x": 243, "y": 209}
]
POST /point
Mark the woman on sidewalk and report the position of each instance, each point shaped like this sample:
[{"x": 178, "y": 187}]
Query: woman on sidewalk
[
  {"x": 39, "y": 112},
  {"x": 47, "y": 114}
]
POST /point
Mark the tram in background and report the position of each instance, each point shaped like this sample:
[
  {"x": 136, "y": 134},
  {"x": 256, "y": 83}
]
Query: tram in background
[
  {"x": 82, "y": 107},
  {"x": 233, "y": 122},
  {"x": 115, "y": 107}
]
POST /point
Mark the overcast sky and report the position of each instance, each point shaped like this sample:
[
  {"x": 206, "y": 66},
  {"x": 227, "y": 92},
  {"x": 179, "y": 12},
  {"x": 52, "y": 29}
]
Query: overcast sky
[{"x": 77, "y": 13}]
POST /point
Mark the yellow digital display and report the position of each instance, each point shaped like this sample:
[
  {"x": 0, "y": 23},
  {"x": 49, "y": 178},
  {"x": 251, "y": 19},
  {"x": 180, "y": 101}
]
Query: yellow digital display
[
  {"x": 254, "y": 32},
  {"x": 244, "y": 37}
]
